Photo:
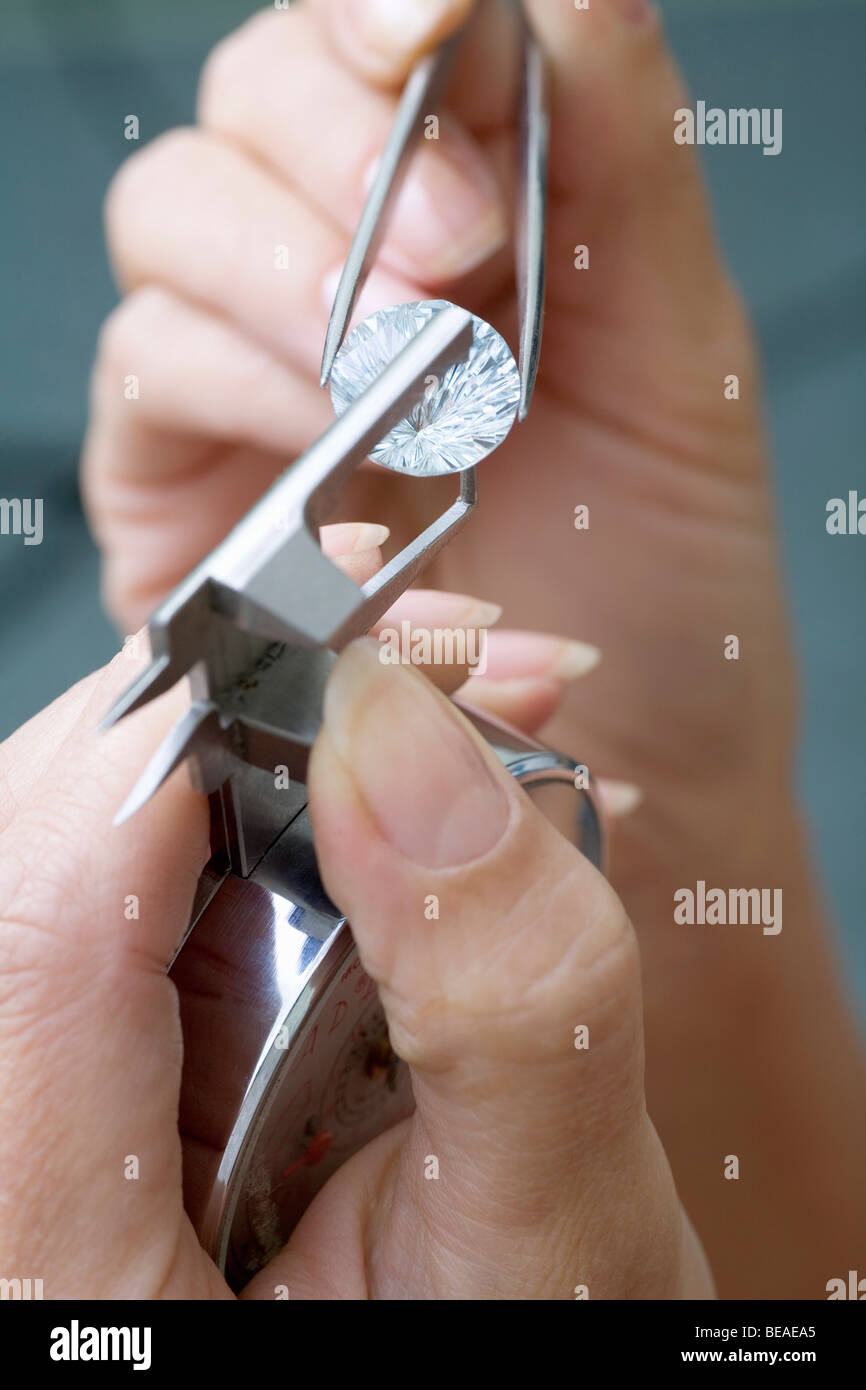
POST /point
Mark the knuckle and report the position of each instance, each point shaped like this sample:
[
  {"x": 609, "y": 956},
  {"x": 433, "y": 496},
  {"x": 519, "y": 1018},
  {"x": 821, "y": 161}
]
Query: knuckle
[
  {"x": 141, "y": 316},
  {"x": 563, "y": 952},
  {"x": 230, "y": 69},
  {"x": 115, "y": 337},
  {"x": 596, "y": 960},
  {"x": 218, "y": 78},
  {"x": 129, "y": 334},
  {"x": 158, "y": 164},
  {"x": 617, "y": 961}
]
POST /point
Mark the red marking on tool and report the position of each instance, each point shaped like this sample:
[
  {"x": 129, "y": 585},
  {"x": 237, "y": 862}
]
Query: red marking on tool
[{"x": 313, "y": 1153}]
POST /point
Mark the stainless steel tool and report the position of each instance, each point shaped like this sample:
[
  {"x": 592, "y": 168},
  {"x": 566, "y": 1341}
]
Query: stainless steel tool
[
  {"x": 422, "y": 91},
  {"x": 288, "y": 1069},
  {"x": 256, "y": 625}
]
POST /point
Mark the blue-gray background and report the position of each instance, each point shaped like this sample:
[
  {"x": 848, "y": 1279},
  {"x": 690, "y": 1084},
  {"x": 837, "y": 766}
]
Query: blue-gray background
[{"x": 793, "y": 227}]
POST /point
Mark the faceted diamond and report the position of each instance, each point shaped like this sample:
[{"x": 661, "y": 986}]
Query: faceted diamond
[{"x": 463, "y": 416}]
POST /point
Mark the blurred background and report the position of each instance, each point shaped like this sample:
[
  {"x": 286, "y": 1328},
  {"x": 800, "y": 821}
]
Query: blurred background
[{"x": 794, "y": 228}]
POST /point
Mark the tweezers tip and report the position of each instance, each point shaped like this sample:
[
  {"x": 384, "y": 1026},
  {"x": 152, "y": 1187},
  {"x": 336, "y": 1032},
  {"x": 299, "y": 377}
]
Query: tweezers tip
[
  {"x": 527, "y": 386},
  {"x": 333, "y": 339},
  {"x": 178, "y": 744},
  {"x": 134, "y": 802},
  {"x": 153, "y": 681},
  {"x": 121, "y": 707}
]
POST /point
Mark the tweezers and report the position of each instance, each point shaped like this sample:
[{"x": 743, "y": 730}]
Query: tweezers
[
  {"x": 257, "y": 625},
  {"x": 423, "y": 89}
]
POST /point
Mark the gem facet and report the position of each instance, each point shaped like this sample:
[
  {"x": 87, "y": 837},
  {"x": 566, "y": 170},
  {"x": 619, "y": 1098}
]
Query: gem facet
[{"x": 463, "y": 416}]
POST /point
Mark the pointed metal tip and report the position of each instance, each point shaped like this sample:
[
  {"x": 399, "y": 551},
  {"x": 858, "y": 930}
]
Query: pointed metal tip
[
  {"x": 133, "y": 803},
  {"x": 199, "y": 724},
  {"x": 155, "y": 680},
  {"x": 121, "y": 706},
  {"x": 139, "y": 795},
  {"x": 527, "y": 386},
  {"x": 332, "y": 344},
  {"x": 118, "y": 711}
]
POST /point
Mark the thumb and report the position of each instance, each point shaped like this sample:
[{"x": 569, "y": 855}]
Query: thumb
[
  {"x": 91, "y": 1048},
  {"x": 496, "y": 947}
]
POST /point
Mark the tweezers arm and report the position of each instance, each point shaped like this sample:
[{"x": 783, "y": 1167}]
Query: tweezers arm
[
  {"x": 422, "y": 90},
  {"x": 531, "y": 209}
]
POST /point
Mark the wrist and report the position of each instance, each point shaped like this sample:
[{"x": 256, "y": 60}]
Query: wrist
[{"x": 752, "y": 1049}]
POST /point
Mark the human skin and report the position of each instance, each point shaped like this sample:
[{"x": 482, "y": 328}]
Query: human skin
[
  {"x": 750, "y": 1049},
  {"x": 543, "y": 1149}
]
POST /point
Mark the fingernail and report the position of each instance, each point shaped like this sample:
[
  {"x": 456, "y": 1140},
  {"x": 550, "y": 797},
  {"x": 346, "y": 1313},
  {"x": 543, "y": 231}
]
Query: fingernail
[
  {"x": 619, "y": 798},
  {"x": 480, "y": 613},
  {"x": 423, "y": 778},
  {"x": 394, "y": 27},
  {"x": 540, "y": 655},
  {"x": 428, "y": 609},
  {"x": 448, "y": 216},
  {"x": 380, "y": 291},
  {"x": 369, "y": 536},
  {"x": 351, "y": 537},
  {"x": 574, "y": 659}
]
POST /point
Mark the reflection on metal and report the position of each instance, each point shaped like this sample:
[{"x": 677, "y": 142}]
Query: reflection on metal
[{"x": 288, "y": 1070}]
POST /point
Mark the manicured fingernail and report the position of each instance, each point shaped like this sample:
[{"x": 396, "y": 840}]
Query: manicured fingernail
[
  {"x": 619, "y": 798},
  {"x": 425, "y": 608},
  {"x": 394, "y": 27},
  {"x": 540, "y": 655},
  {"x": 380, "y": 290},
  {"x": 480, "y": 613},
  {"x": 369, "y": 536},
  {"x": 423, "y": 778},
  {"x": 448, "y": 216},
  {"x": 573, "y": 660},
  {"x": 351, "y": 537}
]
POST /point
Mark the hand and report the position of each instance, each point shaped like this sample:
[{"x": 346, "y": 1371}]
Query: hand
[
  {"x": 630, "y": 419},
  {"x": 630, "y": 414},
  {"x": 551, "y": 1180}
]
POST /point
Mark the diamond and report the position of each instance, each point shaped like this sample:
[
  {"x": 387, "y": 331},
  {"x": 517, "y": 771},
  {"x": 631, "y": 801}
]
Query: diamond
[{"x": 463, "y": 416}]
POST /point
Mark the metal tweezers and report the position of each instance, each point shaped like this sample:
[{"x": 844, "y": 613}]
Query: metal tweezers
[
  {"x": 423, "y": 89},
  {"x": 257, "y": 625}
]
